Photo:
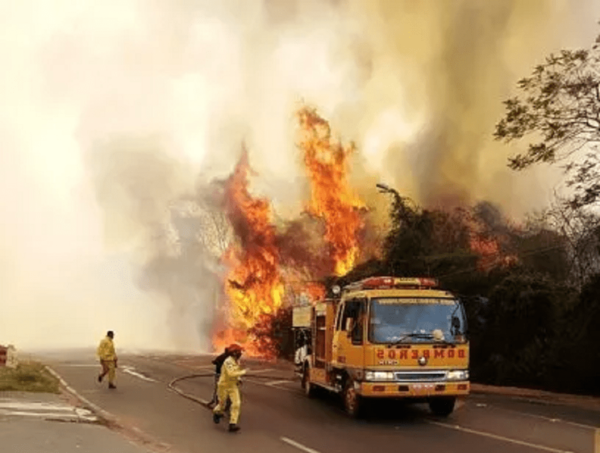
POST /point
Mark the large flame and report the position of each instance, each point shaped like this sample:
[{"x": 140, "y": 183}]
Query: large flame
[
  {"x": 257, "y": 280},
  {"x": 488, "y": 246},
  {"x": 254, "y": 286},
  {"x": 331, "y": 196}
]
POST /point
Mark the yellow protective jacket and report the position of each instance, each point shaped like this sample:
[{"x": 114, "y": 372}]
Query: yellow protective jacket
[
  {"x": 230, "y": 372},
  {"x": 106, "y": 349}
]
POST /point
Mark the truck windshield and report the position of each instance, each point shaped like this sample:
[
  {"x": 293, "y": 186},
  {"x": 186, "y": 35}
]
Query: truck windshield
[{"x": 416, "y": 320}]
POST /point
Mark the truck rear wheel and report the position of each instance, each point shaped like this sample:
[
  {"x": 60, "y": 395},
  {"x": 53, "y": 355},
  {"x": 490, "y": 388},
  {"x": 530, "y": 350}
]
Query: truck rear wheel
[
  {"x": 442, "y": 406},
  {"x": 309, "y": 389},
  {"x": 353, "y": 403}
]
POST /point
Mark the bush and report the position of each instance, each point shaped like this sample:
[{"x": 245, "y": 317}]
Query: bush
[{"x": 28, "y": 377}]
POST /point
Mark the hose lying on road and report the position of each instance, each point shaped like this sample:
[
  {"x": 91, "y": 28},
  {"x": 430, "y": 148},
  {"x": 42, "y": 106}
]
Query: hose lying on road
[{"x": 212, "y": 375}]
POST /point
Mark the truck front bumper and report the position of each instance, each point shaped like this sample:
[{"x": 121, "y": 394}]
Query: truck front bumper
[{"x": 413, "y": 389}]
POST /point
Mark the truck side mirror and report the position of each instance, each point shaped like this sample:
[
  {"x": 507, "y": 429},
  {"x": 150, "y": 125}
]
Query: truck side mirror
[{"x": 456, "y": 324}]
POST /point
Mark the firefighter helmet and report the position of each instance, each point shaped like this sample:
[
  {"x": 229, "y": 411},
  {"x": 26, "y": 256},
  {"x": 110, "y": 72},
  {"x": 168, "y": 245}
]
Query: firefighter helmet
[{"x": 234, "y": 347}]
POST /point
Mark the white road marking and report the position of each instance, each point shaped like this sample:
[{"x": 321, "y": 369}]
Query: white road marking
[
  {"x": 81, "y": 365},
  {"x": 295, "y": 392},
  {"x": 250, "y": 370},
  {"x": 497, "y": 437},
  {"x": 17, "y": 405},
  {"x": 560, "y": 420},
  {"x": 299, "y": 446},
  {"x": 40, "y": 414},
  {"x": 542, "y": 417},
  {"x": 130, "y": 370},
  {"x": 274, "y": 383},
  {"x": 44, "y": 410}
]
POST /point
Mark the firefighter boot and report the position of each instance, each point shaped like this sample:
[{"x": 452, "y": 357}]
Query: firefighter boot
[
  {"x": 217, "y": 417},
  {"x": 233, "y": 428},
  {"x": 112, "y": 386}
]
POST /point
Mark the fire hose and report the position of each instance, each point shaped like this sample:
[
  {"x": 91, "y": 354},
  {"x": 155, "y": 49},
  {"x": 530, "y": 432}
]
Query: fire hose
[{"x": 204, "y": 403}]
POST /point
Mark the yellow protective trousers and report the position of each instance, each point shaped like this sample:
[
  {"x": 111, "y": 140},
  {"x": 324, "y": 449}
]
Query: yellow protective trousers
[
  {"x": 233, "y": 393},
  {"x": 108, "y": 367}
]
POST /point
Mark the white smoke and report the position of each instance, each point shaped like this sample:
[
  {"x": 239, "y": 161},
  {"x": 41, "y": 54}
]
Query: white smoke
[{"x": 109, "y": 111}]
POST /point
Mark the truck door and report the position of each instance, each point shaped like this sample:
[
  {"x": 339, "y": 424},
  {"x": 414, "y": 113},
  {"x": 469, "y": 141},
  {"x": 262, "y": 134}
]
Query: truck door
[{"x": 348, "y": 350}]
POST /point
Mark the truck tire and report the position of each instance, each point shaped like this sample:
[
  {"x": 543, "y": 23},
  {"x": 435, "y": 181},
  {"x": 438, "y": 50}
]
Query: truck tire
[
  {"x": 442, "y": 406},
  {"x": 353, "y": 404},
  {"x": 309, "y": 389}
]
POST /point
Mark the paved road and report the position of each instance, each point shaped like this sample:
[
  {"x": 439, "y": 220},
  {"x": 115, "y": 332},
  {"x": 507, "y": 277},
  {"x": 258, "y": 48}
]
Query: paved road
[
  {"x": 277, "y": 417},
  {"x": 42, "y": 423}
]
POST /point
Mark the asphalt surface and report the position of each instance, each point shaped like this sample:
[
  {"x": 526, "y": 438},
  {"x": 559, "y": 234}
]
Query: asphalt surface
[
  {"x": 277, "y": 417},
  {"x": 42, "y": 423}
]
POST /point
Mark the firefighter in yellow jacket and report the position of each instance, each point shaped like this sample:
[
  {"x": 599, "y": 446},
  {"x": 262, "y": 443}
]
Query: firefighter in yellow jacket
[
  {"x": 228, "y": 387},
  {"x": 108, "y": 359}
]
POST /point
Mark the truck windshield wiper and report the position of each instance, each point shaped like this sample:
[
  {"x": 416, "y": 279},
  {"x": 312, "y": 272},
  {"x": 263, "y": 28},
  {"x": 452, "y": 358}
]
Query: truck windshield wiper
[{"x": 425, "y": 336}]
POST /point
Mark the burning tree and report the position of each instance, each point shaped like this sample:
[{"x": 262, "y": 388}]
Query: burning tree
[
  {"x": 332, "y": 198},
  {"x": 254, "y": 284},
  {"x": 501, "y": 270},
  {"x": 266, "y": 259}
]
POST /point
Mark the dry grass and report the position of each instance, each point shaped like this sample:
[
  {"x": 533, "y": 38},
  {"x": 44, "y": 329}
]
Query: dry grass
[{"x": 28, "y": 377}]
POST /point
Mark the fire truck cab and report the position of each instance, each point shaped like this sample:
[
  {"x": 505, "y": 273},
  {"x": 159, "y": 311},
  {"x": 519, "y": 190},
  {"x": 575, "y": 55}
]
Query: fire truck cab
[{"x": 385, "y": 337}]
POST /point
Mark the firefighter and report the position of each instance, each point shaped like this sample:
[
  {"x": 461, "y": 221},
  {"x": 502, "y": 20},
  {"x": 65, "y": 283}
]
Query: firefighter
[
  {"x": 218, "y": 363},
  {"x": 108, "y": 359},
  {"x": 229, "y": 388}
]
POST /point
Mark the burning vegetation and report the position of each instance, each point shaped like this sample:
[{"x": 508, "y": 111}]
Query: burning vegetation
[
  {"x": 506, "y": 274},
  {"x": 331, "y": 199},
  {"x": 264, "y": 258},
  {"x": 271, "y": 266},
  {"x": 254, "y": 286}
]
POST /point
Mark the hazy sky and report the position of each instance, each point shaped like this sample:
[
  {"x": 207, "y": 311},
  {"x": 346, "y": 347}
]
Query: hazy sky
[{"x": 111, "y": 109}]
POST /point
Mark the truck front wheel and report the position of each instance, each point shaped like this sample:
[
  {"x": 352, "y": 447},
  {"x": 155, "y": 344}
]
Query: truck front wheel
[
  {"x": 352, "y": 400},
  {"x": 442, "y": 406}
]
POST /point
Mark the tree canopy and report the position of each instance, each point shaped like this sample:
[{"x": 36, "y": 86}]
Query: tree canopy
[{"x": 558, "y": 109}]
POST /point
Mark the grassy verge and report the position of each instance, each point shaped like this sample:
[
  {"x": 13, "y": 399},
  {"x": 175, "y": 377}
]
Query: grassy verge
[{"x": 28, "y": 377}]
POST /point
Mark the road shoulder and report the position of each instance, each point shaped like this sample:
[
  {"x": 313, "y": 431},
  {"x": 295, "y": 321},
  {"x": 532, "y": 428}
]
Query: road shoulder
[{"x": 36, "y": 422}]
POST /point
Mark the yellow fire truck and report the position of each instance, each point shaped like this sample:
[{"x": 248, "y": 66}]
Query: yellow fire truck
[{"x": 385, "y": 337}]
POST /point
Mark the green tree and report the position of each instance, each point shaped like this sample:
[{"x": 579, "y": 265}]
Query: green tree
[
  {"x": 575, "y": 352},
  {"x": 559, "y": 109},
  {"x": 522, "y": 317}
]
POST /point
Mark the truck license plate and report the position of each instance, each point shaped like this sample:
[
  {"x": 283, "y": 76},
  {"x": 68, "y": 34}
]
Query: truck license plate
[{"x": 422, "y": 389}]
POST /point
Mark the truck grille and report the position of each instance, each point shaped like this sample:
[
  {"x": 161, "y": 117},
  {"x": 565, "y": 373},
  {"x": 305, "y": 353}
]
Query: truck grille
[{"x": 410, "y": 376}]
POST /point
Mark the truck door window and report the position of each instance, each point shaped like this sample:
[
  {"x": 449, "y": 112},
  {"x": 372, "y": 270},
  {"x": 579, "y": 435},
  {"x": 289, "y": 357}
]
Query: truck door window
[{"x": 354, "y": 309}]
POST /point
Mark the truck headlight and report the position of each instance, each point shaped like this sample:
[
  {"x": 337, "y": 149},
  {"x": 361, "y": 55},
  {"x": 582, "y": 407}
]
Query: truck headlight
[
  {"x": 379, "y": 376},
  {"x": 457, "y": 375}
]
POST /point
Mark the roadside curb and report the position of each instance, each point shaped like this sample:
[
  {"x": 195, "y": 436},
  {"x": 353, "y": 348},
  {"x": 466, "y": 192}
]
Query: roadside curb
[
  {"x": 106, "y": 416},
  {"x": 111, "y": 421}
]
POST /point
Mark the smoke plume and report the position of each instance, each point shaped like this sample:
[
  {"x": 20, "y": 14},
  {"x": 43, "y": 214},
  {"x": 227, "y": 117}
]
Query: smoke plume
[{"x": 116, "y": 115}]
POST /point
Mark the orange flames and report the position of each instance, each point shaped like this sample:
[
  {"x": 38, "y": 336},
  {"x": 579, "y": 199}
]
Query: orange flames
[
  {"x": 490, "y": 252},
  {"x": 315, "y": 291},
  {"x": 331, "y": 197},
  {"x": 264, "y": 262},
  {"x": 254, "y": 284}
]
